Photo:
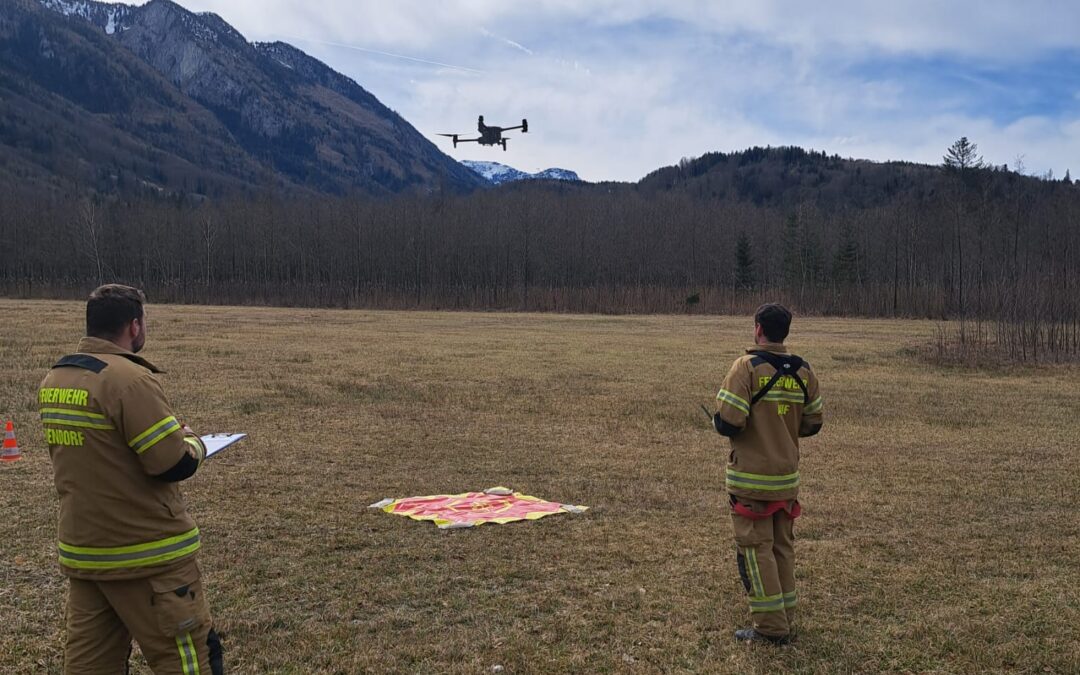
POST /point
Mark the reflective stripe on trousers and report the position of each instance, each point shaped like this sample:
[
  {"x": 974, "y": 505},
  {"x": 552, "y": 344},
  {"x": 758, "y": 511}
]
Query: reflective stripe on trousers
[
  {"x": 759, "y": 602},
  {"x": 189, "y": 658}
]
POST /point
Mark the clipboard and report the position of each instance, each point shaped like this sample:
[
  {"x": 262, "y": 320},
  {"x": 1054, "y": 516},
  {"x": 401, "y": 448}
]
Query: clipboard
[{"x": 215, "y": 443}]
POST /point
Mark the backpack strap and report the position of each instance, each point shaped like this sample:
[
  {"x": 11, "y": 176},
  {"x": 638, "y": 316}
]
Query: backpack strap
[{"x": 785, "y": 365}]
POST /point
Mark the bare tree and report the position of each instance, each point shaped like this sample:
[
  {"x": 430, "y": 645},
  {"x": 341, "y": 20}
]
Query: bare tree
[
  {"x": 209, "y": 237},
  {"x": 92, "y": 235}
]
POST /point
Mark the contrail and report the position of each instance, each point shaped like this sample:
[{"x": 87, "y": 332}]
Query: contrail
[
  {"x": 381, "y": 53},
  {"x": 516, "y": 45}
]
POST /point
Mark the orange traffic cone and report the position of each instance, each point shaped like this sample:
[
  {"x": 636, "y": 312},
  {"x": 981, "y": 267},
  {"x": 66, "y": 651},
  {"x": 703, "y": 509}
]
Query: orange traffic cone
[{"x": 11, "y": 446}]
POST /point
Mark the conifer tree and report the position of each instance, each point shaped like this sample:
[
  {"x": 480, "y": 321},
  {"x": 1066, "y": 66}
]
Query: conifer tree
[
  {"x": 744, "y": 262},
  {"x": 963, "y": 154},
  {"x": 846, "y": 264}
]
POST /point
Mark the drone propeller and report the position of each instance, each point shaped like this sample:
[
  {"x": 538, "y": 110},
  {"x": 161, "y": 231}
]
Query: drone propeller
[{"x": 453, "y": 136}]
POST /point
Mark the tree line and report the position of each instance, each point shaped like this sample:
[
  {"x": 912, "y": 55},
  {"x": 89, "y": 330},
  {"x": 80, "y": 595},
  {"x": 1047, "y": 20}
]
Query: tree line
[{"x": 960, "y": 241}]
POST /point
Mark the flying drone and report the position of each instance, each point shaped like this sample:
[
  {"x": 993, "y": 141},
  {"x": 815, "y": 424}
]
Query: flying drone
[{"x": 489, "y": 135}]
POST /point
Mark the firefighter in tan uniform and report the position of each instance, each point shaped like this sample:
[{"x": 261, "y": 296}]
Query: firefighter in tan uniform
[
  {"x": 126, "y": 541},
  {"x": 769, "y": 400}
]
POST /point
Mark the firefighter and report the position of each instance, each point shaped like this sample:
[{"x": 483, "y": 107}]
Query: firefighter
[
  {"x": 768, "y": 401},
  {"x": 126, "y": 541}
]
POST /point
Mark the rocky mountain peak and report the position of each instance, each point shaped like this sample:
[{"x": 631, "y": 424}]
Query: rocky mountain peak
[
  {"x": 110, "y": 18},
  {"x": 283, "y": 108},
  {"x": 497, "y": 173}
]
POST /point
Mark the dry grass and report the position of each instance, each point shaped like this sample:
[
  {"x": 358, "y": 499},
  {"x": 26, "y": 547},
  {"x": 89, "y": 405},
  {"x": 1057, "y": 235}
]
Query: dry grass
[{"x": 940, "y": 533}]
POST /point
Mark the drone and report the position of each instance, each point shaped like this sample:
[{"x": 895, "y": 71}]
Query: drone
[{"x": 489, "y": 135}]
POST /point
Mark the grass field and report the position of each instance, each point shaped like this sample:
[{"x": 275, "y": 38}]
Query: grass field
[{"x": 941, "y": 526}]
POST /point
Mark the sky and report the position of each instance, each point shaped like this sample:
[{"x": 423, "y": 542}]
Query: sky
[{"x": 614, "y": 89}]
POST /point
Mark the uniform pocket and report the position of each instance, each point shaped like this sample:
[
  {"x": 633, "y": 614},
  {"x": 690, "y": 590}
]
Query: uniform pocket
[
  {"x": 749, "y": 532},
  {"x": 179, "y": 602}
]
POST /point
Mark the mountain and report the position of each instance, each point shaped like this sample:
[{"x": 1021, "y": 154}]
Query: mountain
[
  {"x": 115, "y": 97},
  {"x": 785, "y": 176},
  {"x": 557, "y": 174},
  {"x": 498, "y": 174}
]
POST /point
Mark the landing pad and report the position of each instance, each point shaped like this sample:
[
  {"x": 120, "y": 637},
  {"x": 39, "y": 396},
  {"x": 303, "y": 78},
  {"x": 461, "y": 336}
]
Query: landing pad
[{"x": 495, "y": 505}]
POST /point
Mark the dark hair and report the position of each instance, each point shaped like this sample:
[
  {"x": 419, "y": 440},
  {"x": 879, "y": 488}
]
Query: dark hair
[
  {"x": 775, "y": 321},
  {"x": 110, "y": 308}
]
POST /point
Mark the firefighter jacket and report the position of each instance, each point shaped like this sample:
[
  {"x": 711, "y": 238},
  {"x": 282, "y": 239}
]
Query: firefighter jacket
[
  {"x": 764, "y": 459},
  {"x": 110, "y": 431}
]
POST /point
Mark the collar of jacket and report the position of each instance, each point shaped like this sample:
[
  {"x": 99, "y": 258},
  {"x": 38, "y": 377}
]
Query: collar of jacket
[
  {"x": 774, "y": 347},
  {"x": 93, "y": 345}
]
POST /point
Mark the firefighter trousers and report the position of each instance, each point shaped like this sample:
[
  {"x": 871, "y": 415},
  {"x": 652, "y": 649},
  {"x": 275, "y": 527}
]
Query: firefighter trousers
[
  {"x": 167, "y": 614},
  {"x": 766, "y": 558}
]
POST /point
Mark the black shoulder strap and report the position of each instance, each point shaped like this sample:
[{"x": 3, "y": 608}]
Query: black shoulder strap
[
  {"x": 84, "y": 361},
  {"x": 785, "y": 365}
]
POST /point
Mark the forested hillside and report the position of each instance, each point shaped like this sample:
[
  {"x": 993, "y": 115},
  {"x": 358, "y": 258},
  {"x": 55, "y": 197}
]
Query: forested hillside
[
  {"x": 716, "y": 234},
  {"x": 114, "y": 99}
]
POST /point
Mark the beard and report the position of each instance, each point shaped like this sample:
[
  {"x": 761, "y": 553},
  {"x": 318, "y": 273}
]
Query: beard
[{"x": 138, "y": 343}]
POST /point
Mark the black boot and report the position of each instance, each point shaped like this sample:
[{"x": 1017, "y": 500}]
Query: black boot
[{"x": 751, "y": 635}]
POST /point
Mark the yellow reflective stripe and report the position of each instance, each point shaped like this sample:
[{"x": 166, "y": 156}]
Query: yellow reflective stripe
[
  {"x": 787, "y": 477},
  {"x": 754, "y": 572},
  {"x": 152, "y": 429},
  {"x": 134, "y": 548},
  {"x": 733, "y": 400},
  {"x": 757, "y": 481},
  {"x": 200, "y": 452},
  {"x": 74, "y": 418},
  {"x": 79, "y": 413},
  {"x": 734, "y": 482},
  {"x": 767, "y": 603},
  {"x": 814, "y": 406},
  {"x": 181, "y": 647},
  {"x": 137, "y": 555},
  {"x": 117, "y": 564},
  {"x": 784, "y": 397},
  {"x": 790, "y": 599},
  {"x": 81, "y": 425},
  {"x": 768, "y": 599},
  {"x": 154, "y": 434},
  {"x": 189, "y": 658}
]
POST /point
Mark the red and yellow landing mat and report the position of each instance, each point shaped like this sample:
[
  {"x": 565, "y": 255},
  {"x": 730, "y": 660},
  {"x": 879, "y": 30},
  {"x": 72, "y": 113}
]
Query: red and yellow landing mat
[{"x": 494, "y": 505}]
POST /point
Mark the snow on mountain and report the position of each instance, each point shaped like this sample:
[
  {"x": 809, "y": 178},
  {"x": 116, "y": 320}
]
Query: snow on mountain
[
  {"x": 67, "y": 7},
  {"x": 497, "y": 173},
  {"x": 262, "y": 113},
  {"x": 107, "y": 16},
  {"x": 557, "y": 174}
]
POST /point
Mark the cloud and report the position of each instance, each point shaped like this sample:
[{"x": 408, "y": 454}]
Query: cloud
[{"x": 615, "y": 88}]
